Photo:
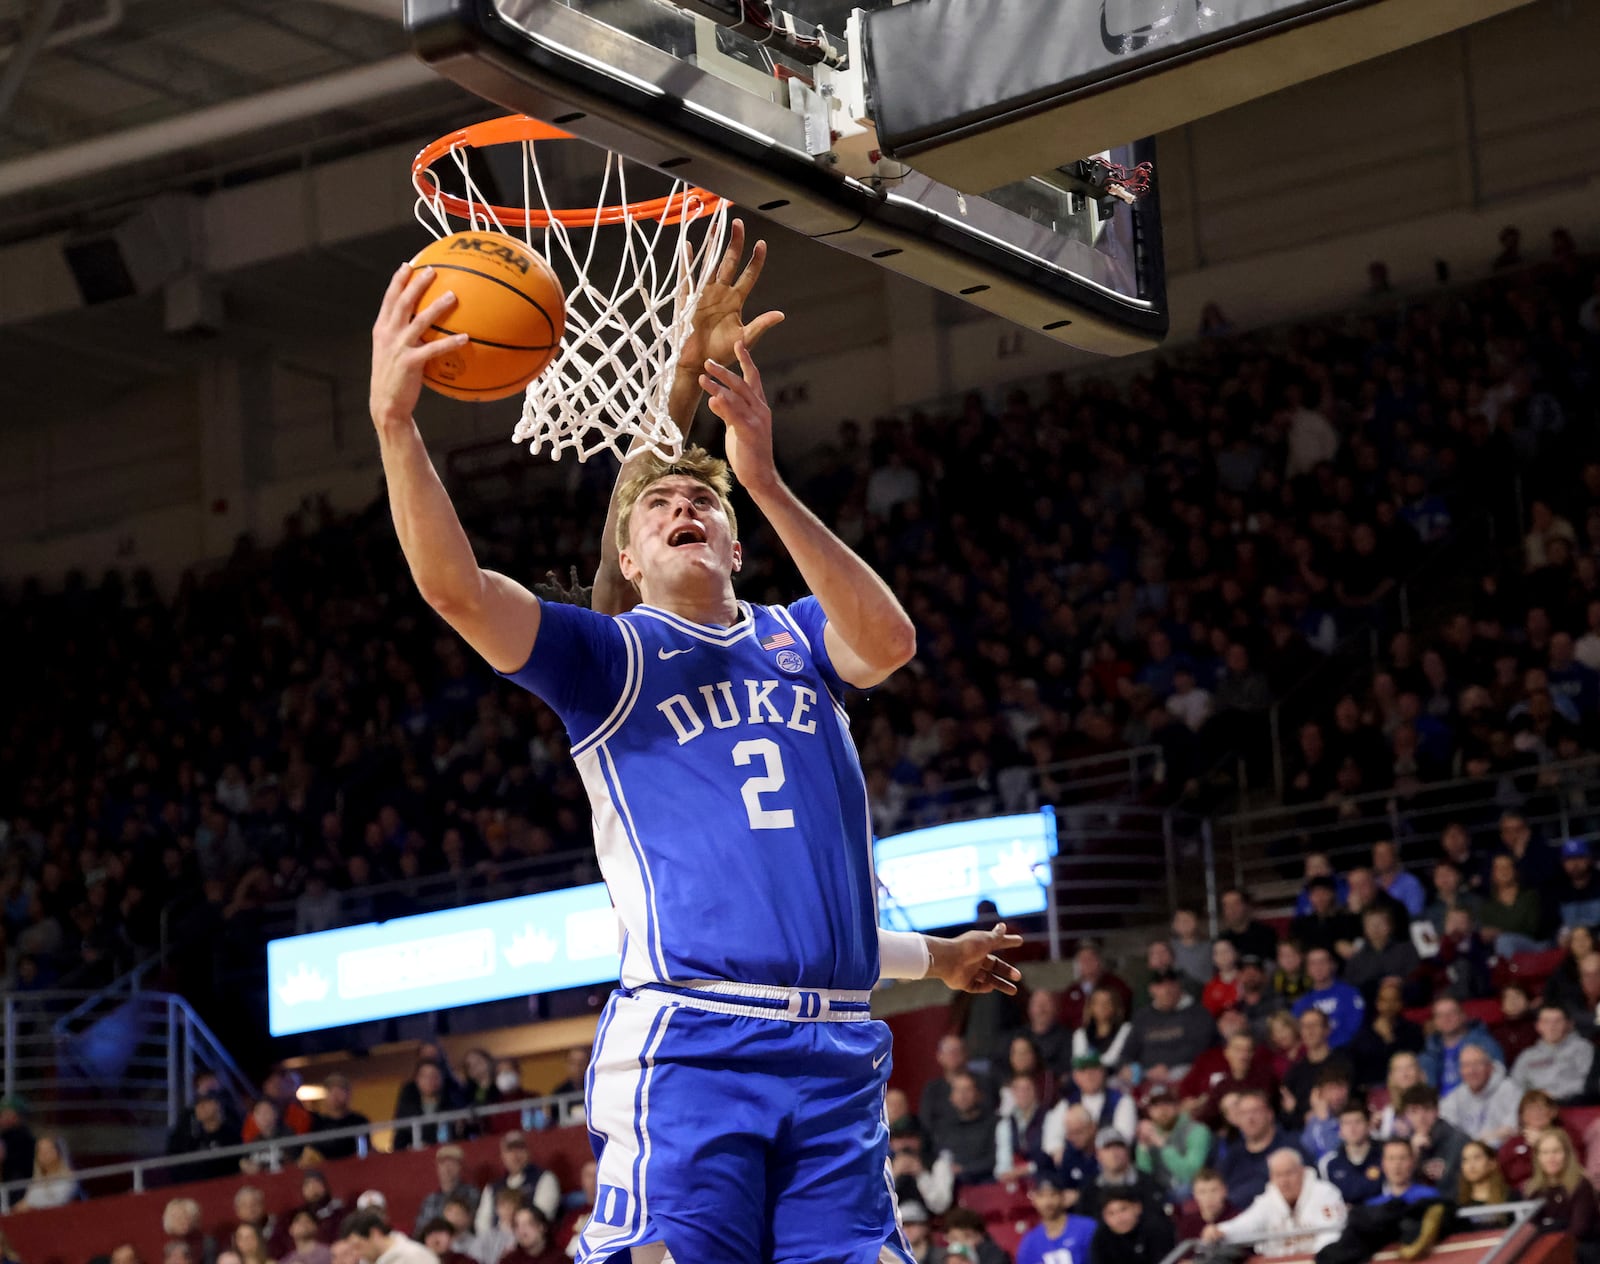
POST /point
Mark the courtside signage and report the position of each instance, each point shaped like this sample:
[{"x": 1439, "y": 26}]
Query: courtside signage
[
  {"x": 933, "y": 878},
  {"x": 433, "y": 961}
]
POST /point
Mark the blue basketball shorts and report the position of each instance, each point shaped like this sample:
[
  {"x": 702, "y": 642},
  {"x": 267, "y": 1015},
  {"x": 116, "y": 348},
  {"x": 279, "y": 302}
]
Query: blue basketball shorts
[{"x": 734, "y": 1124}]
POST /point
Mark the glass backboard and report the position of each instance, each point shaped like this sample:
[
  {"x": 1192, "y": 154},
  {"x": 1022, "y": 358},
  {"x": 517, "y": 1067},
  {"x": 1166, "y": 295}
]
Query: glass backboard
[{"x": 772, "y": 108}]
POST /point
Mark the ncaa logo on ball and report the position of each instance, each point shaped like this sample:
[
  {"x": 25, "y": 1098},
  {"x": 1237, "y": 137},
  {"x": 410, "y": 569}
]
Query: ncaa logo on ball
[{"x": 790, "y": 661}]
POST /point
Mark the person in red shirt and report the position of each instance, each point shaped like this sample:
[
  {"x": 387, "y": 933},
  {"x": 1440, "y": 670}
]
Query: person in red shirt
[
  {"x": 1207, "y": 1204},
  {"x": 1242, "y": 1070},
  {"x": 1536, "y": 1115},
  {"x": 1516, "y": 1031},
  {"x": 280, "y": 1088},
  {"x": 1223, "y": 990}
]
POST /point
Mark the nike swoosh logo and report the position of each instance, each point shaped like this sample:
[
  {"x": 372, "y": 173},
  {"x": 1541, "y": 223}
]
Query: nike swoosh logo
[
  {"x": 664, "y": 655},
  {"x": 878, "y": 1061}
]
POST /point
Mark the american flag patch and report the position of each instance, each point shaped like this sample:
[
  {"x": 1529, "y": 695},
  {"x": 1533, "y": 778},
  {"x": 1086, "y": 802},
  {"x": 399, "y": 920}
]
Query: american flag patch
[{"x": 777, "y": 641}]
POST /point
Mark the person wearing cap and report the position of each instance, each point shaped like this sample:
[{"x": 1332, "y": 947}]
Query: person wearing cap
[
  {"x": 1326, "y": 923},
  {"x": 206, "y": 1127},
  {"x": 1129, "y": 1232},
  {"x": 1114, "y": 1154},
  {"x": 1058, "y": 1230},
  {"x": 1166, "y": 1036},
  {"x": 917, "y": 1226},
  {"x": 1172, "y": 1147},
  {"x": 1294, "y": 1199},
  {"x": 540, "y": 1188},
  {"x": 447, "y": 1168},
  {"x": 1559, "y": 1062},
  {"x": 1109, "y": 1107},
  {"x": 1576, "y": 893}
]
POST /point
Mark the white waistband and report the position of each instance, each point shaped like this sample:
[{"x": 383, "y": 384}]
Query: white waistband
[{"x": 757, "y": 1000}]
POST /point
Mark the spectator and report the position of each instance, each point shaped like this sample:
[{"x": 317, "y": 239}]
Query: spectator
[
  {"x": 1240, "y": 1066},
  {"x": 1283, "y": 1042},
  {"x": 335, "y": 1115},
  {"x": 250, "y": 1208},
  {"x": 1293, "y": 1199},
  {"x": 1207, "y": 1205},
  {"x": 1403, "y": 1211},
  {"x": 249, "y": 1244},
  {"x": 439, "y": 1237},
  {"x": 1129, "y": 1232},
  {"x": 1249, "y": 937},
  {"x": 427, "y": 1092},
  {"x": 1338, "y": 1002},
  {"x": 1482, "y": 1183},
  {"x": 281, "y": 1088},
  {"x": 1451, "y": 1033},
  {"x": 902, "y": 1123},
  {"x": 533, "y": 1245},
  {"x": 1105, "y": 1029},
  {"x": 1330, "y": 1094},
  {"x": 935, "y": 1110},
  {"x": 1513, "y": 916},
  {"x": 1190, "y": 949},
  {"x": 1089, "y": 969},
  {"x": 501, "y": 1235},
  {"x": 577, "y": 1062},
  {"x": 1405, "y": 1071},
  {"x": 53, "y": 1184},
  {"x": 1076, "y": 1163},
  {"x": 477, "y": 1079},
  {"x": 1451, "y": 892},
  {"x": 267, "y": 1128},
  {"x": 579, "y": 1207},
  {"x": 203, "y": 1129},
  {"x": 1576, "y": 893},
  {"x": 1050, "y": 1038},
  {"x": 1559, "y": 1062},
  {"x": 539, "y": 1188},
  {"x": 1436, "y": 1144},
  {"x": 1108, "y": 1107},
  {"x": 1396, "y": 881},
  {"x": 1352, "y": 1166},
  {"x": 1582, "y": 1000},
  {"x": 16, "y": 1142},
  {"x": 1243, "y": 1165},
  {"x": 917, "y": 1225},
  {"x": 1535, "y": 861},
  {"x": 368, "y": 1234},
  {"x": 1569, "y": 1200},
  {"x": 1118, "y": 1174},
  {"x": 968, "y": 1241},
  {"x": 1326, "y": 923},
  {"x": 180, "y": 1222},
  {"x": 1172, "y": 1147},
  {"x": 1381, "y": 956},
  {"x": 965, "y": 1137},
  {"x": 303, "y": 1229},
  {"x": 316, "y": 1199},
  {"x": 1510, "y": 255},
  {"x": 1387, "y": 1032},
  {"x": 1057, "y": 1231},
  {"x": 1222, "y": 990},
  {"x": 1536, "y": 1114},
  {"x": 1166, "y": 1037},
  {"x": 1517, "y": 1027},
  {"x": 1366, "y": 894},
  {"x": 1485, "y": 1104},
  {"x": 1026, "y": 1133},
  {"x": 447, "y": 1162},
  {"x": 1289, "y": 979},
  {"x": 1317, "y": 1055}
]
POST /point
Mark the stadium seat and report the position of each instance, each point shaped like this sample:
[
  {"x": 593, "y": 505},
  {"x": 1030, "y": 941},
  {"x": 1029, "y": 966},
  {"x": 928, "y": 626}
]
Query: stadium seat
[
  {"x": 998, "y": 1200},
  {"x": 1531, "y": 969}
]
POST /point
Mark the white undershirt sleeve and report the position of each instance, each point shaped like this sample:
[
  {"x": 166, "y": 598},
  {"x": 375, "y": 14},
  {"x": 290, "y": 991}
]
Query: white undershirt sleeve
[{"x": 902, "y": 955}]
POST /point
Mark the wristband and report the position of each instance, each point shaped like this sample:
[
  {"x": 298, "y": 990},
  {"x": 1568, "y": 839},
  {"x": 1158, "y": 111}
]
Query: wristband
[{"x": 902, "y": 955}]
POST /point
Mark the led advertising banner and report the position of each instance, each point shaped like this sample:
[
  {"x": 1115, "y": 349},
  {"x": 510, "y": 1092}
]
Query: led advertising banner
[
  {"x": 932, "y": 878},
  {"x": 433, "y": 961}
]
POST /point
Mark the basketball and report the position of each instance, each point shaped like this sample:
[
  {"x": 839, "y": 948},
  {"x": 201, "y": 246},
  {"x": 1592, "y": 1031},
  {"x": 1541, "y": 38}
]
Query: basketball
[{"x": 509, "y": 302}]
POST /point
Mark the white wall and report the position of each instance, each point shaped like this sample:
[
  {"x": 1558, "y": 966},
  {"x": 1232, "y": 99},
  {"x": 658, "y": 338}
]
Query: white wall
[{"x": 1273, "y": 209}]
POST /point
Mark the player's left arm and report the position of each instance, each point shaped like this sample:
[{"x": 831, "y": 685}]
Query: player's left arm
[
  {"x": 868, "y": 633},
  {"x": 967, "y": 963}
]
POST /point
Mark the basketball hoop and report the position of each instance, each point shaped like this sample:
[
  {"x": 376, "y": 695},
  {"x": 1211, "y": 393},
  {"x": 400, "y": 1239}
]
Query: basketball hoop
[{"x": 611, "y": 379}]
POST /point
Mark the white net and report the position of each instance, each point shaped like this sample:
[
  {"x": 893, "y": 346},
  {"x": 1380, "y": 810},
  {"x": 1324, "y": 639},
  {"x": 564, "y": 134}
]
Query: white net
[{"x": 627, "y": 314}]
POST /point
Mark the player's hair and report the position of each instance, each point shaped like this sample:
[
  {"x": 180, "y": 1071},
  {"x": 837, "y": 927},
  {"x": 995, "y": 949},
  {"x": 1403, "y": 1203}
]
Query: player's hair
[{"x": 695, "y": 463}]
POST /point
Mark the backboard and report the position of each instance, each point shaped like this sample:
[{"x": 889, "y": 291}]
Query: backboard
[{"x": 772, "y": 108}]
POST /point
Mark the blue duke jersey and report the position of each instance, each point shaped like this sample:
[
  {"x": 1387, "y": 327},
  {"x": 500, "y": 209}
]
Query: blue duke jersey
[{"x": 730, "y": 813}]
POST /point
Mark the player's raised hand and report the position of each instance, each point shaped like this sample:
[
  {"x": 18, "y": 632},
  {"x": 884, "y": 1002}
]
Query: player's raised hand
[
  {"x": 398, "y": 351},
  {"x": 742, "y": 405},
  {"x": 968, "y": 963},
  {"x": 719, "y": 315}
]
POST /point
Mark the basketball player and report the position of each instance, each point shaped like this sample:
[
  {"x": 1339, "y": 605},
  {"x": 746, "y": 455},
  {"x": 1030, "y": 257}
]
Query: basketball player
[{"x": 735, "y": 1093}]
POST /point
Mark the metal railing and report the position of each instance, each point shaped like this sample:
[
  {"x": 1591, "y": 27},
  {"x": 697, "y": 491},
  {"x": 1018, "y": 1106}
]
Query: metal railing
[
  {"x": 1560, "y": 800},
  {"x": 84, "y": 1058},
  {"x": 533, "y": 1114},
  {"x": 1521, "y": 1213}
]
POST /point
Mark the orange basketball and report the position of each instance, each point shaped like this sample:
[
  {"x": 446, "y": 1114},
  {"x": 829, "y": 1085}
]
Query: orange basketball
[{"x": 509, "y": 302}]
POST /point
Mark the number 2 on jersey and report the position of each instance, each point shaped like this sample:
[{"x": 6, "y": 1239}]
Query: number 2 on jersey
[{"x": 771, "y": 757}]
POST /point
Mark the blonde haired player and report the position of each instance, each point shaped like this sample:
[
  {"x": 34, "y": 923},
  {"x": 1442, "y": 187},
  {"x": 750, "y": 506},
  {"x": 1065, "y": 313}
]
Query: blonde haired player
[{"x": 735, "y": 1093}]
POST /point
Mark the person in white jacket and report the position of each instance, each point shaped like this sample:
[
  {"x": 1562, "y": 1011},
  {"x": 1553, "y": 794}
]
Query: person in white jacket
[
  {"x": 1485, "y": 1104},
  {"x": 1026, "y": 1131},
  {"x": 1559, "y": 1062},
  {"x": 1294, "y": 1199}
]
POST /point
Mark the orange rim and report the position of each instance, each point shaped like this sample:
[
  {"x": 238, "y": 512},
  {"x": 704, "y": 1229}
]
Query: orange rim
[{"x": 513, "y": 129}]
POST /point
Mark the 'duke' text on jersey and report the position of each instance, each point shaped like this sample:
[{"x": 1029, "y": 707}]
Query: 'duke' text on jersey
[{"x": 725, "y": 705}]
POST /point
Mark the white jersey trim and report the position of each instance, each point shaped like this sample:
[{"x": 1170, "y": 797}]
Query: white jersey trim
[
  {"x": 701, "y": 631},
  {"x": 626, "y": 868},
  {"x": 632, "y": 685}
]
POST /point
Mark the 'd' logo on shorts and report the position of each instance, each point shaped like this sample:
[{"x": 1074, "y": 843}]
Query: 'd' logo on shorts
[{"x": 790, "y": 661}]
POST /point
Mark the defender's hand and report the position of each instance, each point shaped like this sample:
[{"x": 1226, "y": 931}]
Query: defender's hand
[
  {"x": 742, "y": 406},
  {"x": 719, "y": 316},
  {"x": 398, "y": 352},
  {"x": 967, "y": 963}
]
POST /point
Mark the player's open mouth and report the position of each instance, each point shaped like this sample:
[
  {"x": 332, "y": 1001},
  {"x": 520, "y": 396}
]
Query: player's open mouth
[{"x": 685, "y": 536}]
